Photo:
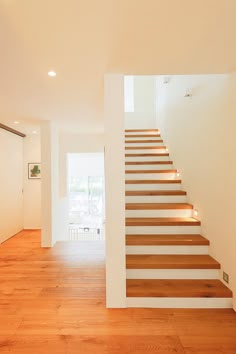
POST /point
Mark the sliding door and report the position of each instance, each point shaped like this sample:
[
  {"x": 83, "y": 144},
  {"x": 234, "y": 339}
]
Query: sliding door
[{"x": 11, "y": 184}]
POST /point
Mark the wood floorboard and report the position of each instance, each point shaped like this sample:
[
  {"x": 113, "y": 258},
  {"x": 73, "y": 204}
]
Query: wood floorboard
[{"x": 53, "y": 300}]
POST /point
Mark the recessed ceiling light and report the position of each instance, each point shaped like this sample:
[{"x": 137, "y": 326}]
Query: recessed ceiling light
[
  {"x": 16, "y": 122},
  {"x": 34, "y": 132},
  {"x": 52, "y": 73}
]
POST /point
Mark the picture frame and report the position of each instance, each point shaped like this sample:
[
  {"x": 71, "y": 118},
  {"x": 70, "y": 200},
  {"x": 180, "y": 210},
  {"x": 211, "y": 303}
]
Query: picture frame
[{"x": 34, "y": 170}]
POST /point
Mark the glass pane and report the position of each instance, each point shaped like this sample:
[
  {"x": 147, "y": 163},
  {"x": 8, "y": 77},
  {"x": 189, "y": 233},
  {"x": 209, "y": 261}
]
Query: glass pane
[{"x": 86, "y": 203}]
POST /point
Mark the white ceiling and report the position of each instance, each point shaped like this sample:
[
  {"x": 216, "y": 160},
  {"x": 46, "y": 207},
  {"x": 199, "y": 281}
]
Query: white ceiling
[
  {"x": 26, "y": 126},
  {"x": 84, "y": 39}
]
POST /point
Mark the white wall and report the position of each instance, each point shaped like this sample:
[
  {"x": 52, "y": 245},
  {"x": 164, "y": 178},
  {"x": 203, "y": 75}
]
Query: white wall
[
  {"x": 46, "y": 157},
  {"x": 200, "y": 134},
  {"x": 11, "y": 184},
  {"x": 85, "y": 164},
  {"x": 32, "y": 187},
  {"x": 54, "y": 208},
  {"x": 54, "y": 150},
  {"x": 144, "y": 115},
  {"x": 76, "y": 143}
]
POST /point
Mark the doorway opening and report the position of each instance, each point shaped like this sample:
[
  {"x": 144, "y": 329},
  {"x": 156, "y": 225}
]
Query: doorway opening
[{"x": 86, "y": 196}]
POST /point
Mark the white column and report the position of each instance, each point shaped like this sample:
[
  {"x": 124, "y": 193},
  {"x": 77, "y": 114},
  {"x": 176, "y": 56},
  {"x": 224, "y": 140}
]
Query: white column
[
  {"x": 115, "y": 191},
  {"x": 50, "y": 183}
]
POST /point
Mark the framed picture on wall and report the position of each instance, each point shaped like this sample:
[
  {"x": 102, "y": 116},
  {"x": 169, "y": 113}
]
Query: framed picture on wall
[{"x": 34, "y": 170}]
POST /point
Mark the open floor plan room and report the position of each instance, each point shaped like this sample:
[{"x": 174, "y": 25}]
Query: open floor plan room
[{"x": 53, "y": 300}]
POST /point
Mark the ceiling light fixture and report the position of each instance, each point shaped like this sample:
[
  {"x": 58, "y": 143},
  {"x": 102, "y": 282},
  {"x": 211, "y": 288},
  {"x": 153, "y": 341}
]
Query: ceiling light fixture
[
  {"x": 16, "y": 122},
  {"x": 34, "y": 132},
  {"x": 52, "y": 73}
]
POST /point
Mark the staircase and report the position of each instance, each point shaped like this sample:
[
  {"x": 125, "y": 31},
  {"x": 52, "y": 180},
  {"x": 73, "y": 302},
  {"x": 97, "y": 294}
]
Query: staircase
[{"x": 167, "y": 260}]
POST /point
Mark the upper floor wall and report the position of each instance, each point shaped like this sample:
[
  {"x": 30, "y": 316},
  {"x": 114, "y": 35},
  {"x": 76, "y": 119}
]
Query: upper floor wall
[
  {"x": 199, "y": 130},
  {"x": 140, "y": 107}
]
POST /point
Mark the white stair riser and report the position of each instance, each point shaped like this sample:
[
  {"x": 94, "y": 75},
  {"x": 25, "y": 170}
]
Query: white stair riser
[
  {"x": 149, "y": 167},
  {"x": 172, "y": 249},
  {"x": 145, "y": 151},
  {"x": 156, "y": 199},
  {"x": 178, "y": 213},
  {"x": 143, "y": 133},
  {"x": 185, "y": 302},
  {"x": 146, "y": 158},
  {"x": 143, "y": 144},
  {"x": 151, "y": 176},
  {"x": 162, "y": 230},
  {"x": 172, "y": 273},
  {"x": 152, "y": 186},
  {"x": 130, "y": 141}
]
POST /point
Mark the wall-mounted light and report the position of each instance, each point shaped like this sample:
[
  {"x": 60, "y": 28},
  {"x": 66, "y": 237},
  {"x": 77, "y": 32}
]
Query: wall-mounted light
[
  {"x": 188, "y": 92},
  {"x": 195, "y": 212},
  {"x": 178, "y": 174},
  {"x": 167, "y": 150},
  {"x": 166, "y": 80}
]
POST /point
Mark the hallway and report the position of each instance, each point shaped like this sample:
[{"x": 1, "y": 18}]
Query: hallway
[{"x": 53, "y": 300}]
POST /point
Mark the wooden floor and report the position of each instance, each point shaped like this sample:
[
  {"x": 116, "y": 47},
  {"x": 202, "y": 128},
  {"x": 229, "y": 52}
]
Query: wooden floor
[{"x": 53, "y": 301}]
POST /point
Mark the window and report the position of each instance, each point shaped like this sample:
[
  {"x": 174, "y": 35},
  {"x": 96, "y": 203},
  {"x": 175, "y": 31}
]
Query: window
[
  {"x": 129, "y": 93},
  {"x": 86, "y": 196}
]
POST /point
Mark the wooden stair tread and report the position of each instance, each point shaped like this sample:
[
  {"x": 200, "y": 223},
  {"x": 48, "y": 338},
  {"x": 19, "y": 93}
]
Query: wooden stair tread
[
  {"x": 157, "y": 206},
  {"x": 152, "y": 181},
  {"x": 177, "y": 288},
  {"x": 143, "y": 141},
  {"x": 171, "y": 262},
  {"x": 150, "y": 135},
  {"x": 148, "y": 162},
  {"x": 145, "y": 147},
  {"x": 166, "y": 240},
  {"x": 151, "y": 171},
  {"x": 162, "y": 222},
  {"x": 154, "y": 192},
  {"x": 148, "y": 154},
  {"x": 142, "y": 130}
]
